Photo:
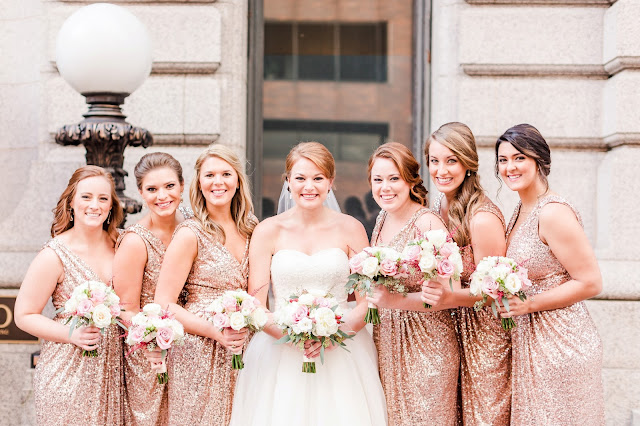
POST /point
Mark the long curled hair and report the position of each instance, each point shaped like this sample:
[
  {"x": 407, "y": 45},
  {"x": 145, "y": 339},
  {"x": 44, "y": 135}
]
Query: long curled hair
[
  {"x": 241, "y": 204},
  {"x": 529, "y": 141},
  {"x": 62, "y": 214},
  {"x": 470, "y": 194},
  {"x": 408, "y": 167}
]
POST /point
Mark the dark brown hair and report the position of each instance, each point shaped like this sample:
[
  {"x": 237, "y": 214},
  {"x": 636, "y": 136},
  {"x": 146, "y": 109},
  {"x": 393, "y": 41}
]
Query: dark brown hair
[
  {"x": 156, "y": 160},
  {"x": 407, "y": 165},
  {"x": 62, "y": 216}
]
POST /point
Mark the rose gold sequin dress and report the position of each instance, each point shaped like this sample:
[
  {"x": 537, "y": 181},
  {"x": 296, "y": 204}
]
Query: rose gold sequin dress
[
  {"x": 417, "y": 352},
  {"x": 485, "y": 351},
  {"x": 557, "y": 354},
  {"x": 71, "y": 389},
  {"x": 145, "y": 399},
  {"x": 201, "y": 381}
]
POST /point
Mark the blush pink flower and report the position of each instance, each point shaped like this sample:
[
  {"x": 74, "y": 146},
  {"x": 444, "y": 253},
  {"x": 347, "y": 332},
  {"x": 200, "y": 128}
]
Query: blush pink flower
[
  {"x": 412, "y": 253},
  {"x": 445, "y": 268},
  {"x": 322, "y": 302},
  {"x": 230, "y": 304},
  {"x": 355, "y": 264},
  {"x": 164, "y": 338},
  {"x": 221, "y": 321},
  {"x": 447, "y": 249},
  {"x": 490, "y": 287},
  {"x": 115, "y": 310},
  {"x": 523, "y": 274},
  {"x": 84, "y": 307},
  {"x": 98, "y": 296},
  {"x": 136, "y": 334},
  {"x": 403, "y": 271},
  {"x": 389, "y": 267},
  {"x": 301, "y": 312}
]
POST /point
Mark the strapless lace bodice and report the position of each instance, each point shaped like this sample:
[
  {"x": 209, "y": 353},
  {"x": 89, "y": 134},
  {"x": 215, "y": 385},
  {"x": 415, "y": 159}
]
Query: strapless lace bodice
[{"x": 293, "y": 270}]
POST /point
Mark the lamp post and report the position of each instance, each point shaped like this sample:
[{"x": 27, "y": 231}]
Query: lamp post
[{"x": 104, "y": 52}]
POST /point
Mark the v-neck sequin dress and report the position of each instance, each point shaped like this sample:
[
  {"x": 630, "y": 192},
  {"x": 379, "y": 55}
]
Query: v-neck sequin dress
[
  {"x": 418, "y": 354},
  {"x": 557, "y": 354},
  {"x": 71, "y": 389},
  {"x": 201, "y": 381}
]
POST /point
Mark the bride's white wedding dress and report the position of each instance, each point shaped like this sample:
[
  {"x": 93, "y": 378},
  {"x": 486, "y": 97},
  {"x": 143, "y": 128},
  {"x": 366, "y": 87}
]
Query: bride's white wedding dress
[{"x": 345, "y": 390}]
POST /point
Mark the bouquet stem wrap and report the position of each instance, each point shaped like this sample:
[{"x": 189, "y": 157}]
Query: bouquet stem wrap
[
  {"x": 372, "y": 317},
  {"x": 163, "y": 376},
  {"x": 308, "y": 365}
]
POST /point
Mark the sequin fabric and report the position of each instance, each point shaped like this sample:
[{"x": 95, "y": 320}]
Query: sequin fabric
[
  {"x": 417, "y": 352},
  {"x": 485, "y": 351},
  {"x": 201, "y": 379},
  {"x": 144, "y": 398},
  {"x": 557, "y": 355},
  {"x": 71, "y": 389}
]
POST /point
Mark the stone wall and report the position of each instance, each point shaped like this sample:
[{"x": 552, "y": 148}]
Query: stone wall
[
  {"x": 196, "y": 95},
  {"x": 570, "y": 68}
]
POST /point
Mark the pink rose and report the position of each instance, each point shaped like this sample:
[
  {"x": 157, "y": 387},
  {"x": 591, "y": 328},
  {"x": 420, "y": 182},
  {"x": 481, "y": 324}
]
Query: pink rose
[
  {"x": 447, "y": 249},
  {"x": 115, "y": 310},
  {"x": 164, "y": 338},
  {"x": 136, "y": 334},
  {"x": 301, "y": 312},
  {"x": 248, "y": 304},
  {"x": 98, "y": 296},
  {"x": 389, "y": 267},
  {"x": 230, "y": 304},
  {"x": 221, "y": 321},
  {"x": 445, "y": 268},
  {"x": 523, "y": 274},
  {"x": 403, "y": 271},
  {"x": 322, "y": 302},
  {"x": 412, "y": 253},
  {"x": 84, "y": 308},
  {"x": 489, "y": 286},
  {"x": 355, "y": 264}
]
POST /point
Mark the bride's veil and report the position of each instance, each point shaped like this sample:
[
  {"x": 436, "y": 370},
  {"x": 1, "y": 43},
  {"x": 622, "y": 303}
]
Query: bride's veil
[{"x": 285, "y": 202}]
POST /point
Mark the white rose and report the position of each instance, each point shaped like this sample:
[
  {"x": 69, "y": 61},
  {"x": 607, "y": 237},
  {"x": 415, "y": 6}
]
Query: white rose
[
  {"x": 101, "y": 316},
  {"x": 259, "y": 318},
  {"x": 323, "y": 314},
  {"x": 370, "y": 267},
  {"x": 484, "y": 266},
  {"x": 303, "y": 326},
  {"x": 437, "y": 237},
  {"x": 306, "y": 299},
  {"x": 427, "y": 262},
  {"x": 456, "y": 259},
  {"x": 512, "y": 284},
  {"x": 152, "y": 309},
  {"x": 178, "y": 330},
  {"x": 216, "y": 306},
  {"x": 71, "y": 305},
  {"x": 157, "y": 322},
  {"x": 475, "y": 287},
  {"x": 237, "y": 321},
  {"x": 139, "y": 319},
  {"x": 500, "y": 272},
  {"x": 112, "y": 298},
  {"x": 326, "y": 328},
  {"x": 426, "y": 246}
]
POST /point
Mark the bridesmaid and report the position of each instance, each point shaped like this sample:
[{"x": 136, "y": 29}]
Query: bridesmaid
[
  {"x": 477, "y": 225},
  {"x": 207, "y": 256},
  {"x": 136, "y": 267},
  {"x": 417, "y": 347},
  {"x": 70, "y": 388},
  {"x": 557, "y": 352}
]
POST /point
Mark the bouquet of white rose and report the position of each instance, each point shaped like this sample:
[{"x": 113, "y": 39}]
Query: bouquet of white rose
[
  {"x": 155, "y": 328},
  {"x": 311, "y": 315},
  {"x": 435, "y": 255},
  {"x": 92, "y": 303},
  {"x": 237, "y": 309},
  {"x": 498, "y": 277},
  {"x": 372, "y": 267}
]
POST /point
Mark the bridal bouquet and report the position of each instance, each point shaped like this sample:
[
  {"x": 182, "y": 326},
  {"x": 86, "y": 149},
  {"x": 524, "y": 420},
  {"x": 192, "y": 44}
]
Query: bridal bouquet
[
  {"x": 375, "y": 266},
  {"x": 435, "y": 255},
  {"x": 92, "y": 303},
  {"x": 311, "y": 315},
  {"x": 499, "y": 277},
  {"x": 237, "y": 309},
  {"x": 155, "y": 328}
]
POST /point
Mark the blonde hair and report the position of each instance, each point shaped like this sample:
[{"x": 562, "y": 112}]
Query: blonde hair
[
  {"x": 470, "y": 194},
  {"x": 408, "y": 167},
  {"x": 241, "y": 204},
  {"x": 62, "y": 216},
  {"x": 315, "y": 152}
]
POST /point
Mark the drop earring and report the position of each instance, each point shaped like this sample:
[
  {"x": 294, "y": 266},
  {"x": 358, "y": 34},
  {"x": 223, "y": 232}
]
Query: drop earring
[
  {"x": 468, "y": 172},
  {"x": 109, "y": 218},
  {"x": 71, "y": 213}
]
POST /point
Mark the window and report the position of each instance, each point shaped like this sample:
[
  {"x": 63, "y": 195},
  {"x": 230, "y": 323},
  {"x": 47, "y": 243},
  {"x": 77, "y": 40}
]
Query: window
[{"x": 325, "y": 51}]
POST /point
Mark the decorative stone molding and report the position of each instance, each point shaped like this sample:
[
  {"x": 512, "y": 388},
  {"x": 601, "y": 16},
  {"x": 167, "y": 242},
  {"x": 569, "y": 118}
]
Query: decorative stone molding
[
  {"x": 596, "y": 72},
  {"x": 168, "y": 139},
  {"x": 174, "y": 67},
  {"x": 598, "y": 3},
  {"x": 621, "y": 63},
  {"x": 140, "y": 1},
  {"x": 577, "y": 144}
]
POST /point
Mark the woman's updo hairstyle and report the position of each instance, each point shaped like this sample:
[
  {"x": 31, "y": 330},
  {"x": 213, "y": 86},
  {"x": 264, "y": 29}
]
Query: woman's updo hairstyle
[
  {"x": 153, "y": 161},
  {"x": 315, "y": 152},
  {"x": 408, "y": 167}
]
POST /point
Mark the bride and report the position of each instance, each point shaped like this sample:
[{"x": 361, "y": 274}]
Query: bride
[{"x": 307, "y": 247}]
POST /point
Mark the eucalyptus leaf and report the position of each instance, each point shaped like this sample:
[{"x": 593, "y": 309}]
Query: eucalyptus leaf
[
  {"x": 493, "y": 308},
  {"x": 283, "y": 339},
  {"x": 505, "y": 302},
  {"x": 322, "y": 354}
]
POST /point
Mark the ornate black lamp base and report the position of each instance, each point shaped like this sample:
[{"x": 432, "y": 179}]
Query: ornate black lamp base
[{"x": 105, "y": 134}]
